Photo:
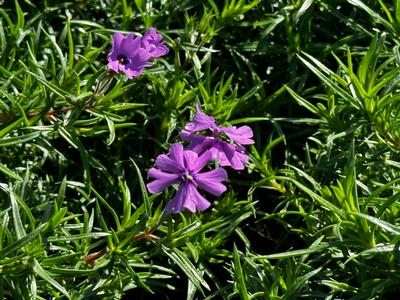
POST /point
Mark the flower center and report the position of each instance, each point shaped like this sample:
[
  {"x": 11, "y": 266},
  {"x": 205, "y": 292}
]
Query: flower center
[
  {"x": 123, "y": 60},
  {"x": 186, "y": 176},
  {"x": 215, "y": 133}
]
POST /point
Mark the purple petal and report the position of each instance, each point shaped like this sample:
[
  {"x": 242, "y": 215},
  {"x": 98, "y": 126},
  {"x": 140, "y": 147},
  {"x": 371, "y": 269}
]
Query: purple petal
[
  {"x": 198, "y": 143},
  {"x": 113, "y": 64},
  {"x": 165, "y": 163},
  {"x": 201, "y": 121},
  {"x": 222, "y": 150},
  {"x": 189, "y": 157},
  {"x": 242, "y": 157},
  {"x": 176, "y": 154},
  {"x": 229, "y": 155},
  {"x": 236, "y": 162},
  {"x": 151, "y": 33},
  {"x": 205, "y": 145},
  {"x": 163, "y": 180},
  {"x": 241, "y": 135},
  {"x": 161, "y": 50},
  {"x": 211, "y": 181},
  {"x": 140, "y": 59},
  {"x": 234, "y": 159},
  {"x": 201, "y": 162},
  {"x": 175, "y": 205},
  {"x": 130, "y": 45},
  {"x": 130, "y": 73},
  {"x": 187, "y": 197},
  {"x": 117, "y": 39},
  {"x": 191, "y": 136},
  {"x": 152, "y": 42},
  {"x": 112, "y": 57},
  {"x": 194, "y": 197}
]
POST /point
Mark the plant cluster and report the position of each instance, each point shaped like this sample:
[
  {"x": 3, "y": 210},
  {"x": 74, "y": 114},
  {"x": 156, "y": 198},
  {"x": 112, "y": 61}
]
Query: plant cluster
[
  {"x": 285, "y": 112},
  {"x": 183, "y": 166}
]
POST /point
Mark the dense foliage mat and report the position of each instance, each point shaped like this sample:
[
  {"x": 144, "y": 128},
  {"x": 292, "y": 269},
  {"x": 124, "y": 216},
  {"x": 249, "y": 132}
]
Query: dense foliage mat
[{"x": 98, "y": 98}]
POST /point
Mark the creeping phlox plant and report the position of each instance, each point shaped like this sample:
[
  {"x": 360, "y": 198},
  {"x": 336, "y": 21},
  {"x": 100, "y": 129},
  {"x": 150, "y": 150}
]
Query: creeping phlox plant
[
  {"x": 208, "y": 141},
  {"x": 218, "y": 143}
]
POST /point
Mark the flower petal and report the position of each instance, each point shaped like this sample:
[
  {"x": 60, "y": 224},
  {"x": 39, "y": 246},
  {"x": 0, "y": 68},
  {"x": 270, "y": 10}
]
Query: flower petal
[
  {"x": 161, "y": 50},
  {"x": 151, "y": 33},
  {"x": 176, "y": 153},
  {"x": 211, "y": 181},
  {"x": 187, "y": 197},
  {"x": 235, "y": 159},
  {"x": 195, "y": 199},
  {"x": 191, "y": 136},
  {"x": 201, "y": 162},
  {"x": 201, "y": 121},
  {"x": 112, "y": 57},
  {"x": 117, "y": 39},
  {"x": 113, "y": 64},
  {"x": 153, "y": 43},
  {"x": 163, "y": 180},
  {"x": 129, "y": 72},
  {"x": 165, "y": 163},
  {"x": 140, "y": 59},
  {"x": 241, "y": 135},
  {"x": 229, "y": 155},
  {"x": 130, "y": 45},
  {"x": 189, "y": 157},
  {"x": 222, "y": 151},
  {"x": 198, "y": 143},
  {"x": 175, "y": 205}
]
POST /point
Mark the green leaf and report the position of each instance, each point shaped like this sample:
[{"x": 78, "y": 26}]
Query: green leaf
[
  {"x": 135, "y": 277},
  {"x": 17, "y": 245},
  {"x": 304, "y": 102},
  {"x": 294, "y": 253},
  {"x": 18, "y": 140},
  {"x": 187, "y": 267},
  {"x": 368, "y": 63},
  {"x": 51, "y": 86},
  {"x": 383, "y": 224},
  {"x": 326, "y": 80},
  {"x": 37, "y": 268},
  {"x": 9, "y": 172},
  {"x": 143, "y": 190},
  {"x": 19, "y": 227},
  {"x": 91, "y": 235},
  {"x": 239, "y": 276},
  {"x": 374, "y": 15},
  {"x": 108, "y": 206}
]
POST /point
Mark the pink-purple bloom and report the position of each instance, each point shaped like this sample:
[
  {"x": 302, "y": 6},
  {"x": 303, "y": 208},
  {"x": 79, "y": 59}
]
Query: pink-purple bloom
[
  {"x": 153, "y": 43},
  {"x": 130, "y": 54},
  {"x": 183, "y": 167},
  {"x": 224, "y": 143}
]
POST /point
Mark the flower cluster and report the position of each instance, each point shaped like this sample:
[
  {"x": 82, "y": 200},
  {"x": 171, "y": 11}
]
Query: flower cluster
[
  {"x": 225, "y": 143},
  {"x": 130, "y": 54},
  {"x": 207, "y": 141}
]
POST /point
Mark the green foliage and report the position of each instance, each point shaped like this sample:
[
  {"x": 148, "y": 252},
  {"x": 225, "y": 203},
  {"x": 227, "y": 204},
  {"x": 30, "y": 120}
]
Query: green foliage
[{"x": 314, "y": 215}]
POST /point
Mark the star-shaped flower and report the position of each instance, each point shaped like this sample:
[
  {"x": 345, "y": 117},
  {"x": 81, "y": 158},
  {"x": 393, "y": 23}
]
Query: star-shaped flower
[
  {"x": 130, "y": 54},
  {"x": 183, "y": 167}
]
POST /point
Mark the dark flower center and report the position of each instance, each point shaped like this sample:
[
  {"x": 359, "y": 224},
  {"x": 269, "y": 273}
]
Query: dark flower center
[
  {"x": 215, "y": 132},
  {"x": 123, "y": 60}
]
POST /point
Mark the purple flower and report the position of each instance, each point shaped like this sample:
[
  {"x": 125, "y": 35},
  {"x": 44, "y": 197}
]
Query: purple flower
[
  {"x": 127, "y": 56},
  {"x": 153, "y": 43},
  {"x": 227, "y": 153},
  {"x": 183, "y": 167},
  {"x": 131, "y": 54}
]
